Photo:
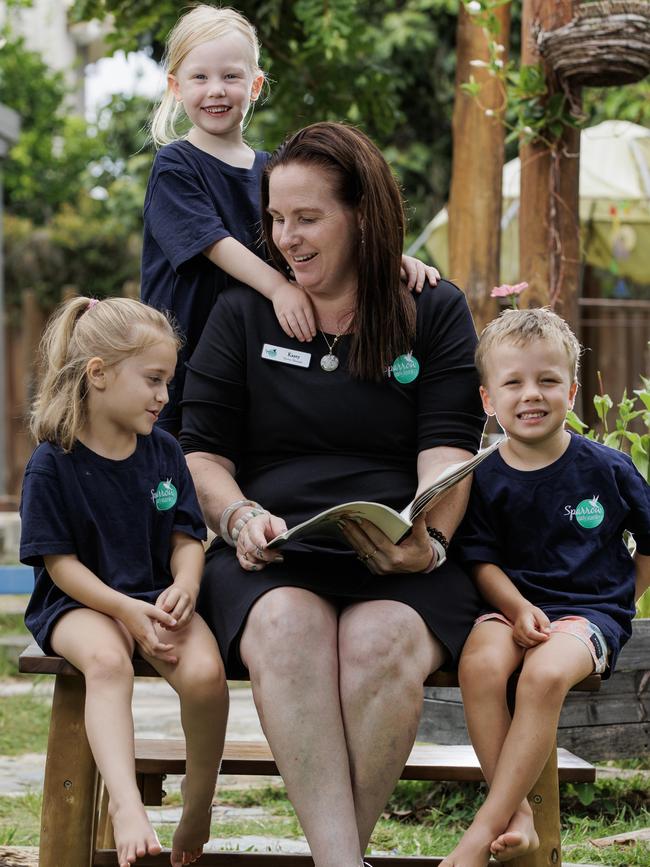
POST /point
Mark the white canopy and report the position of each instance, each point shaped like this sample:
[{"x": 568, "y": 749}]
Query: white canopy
[{"x": 614, "y": 205}]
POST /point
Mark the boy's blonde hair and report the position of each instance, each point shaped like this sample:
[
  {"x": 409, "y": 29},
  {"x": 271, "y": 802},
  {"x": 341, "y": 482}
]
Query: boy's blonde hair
[
  {"x": 82, "y": 328},
  {"x": 202, "y": 24},
  {"x": 523, "y": 326}
]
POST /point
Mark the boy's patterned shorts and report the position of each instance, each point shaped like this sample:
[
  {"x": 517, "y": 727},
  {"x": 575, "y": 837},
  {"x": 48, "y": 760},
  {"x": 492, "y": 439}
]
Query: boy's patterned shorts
[{"x": 583, "y": 629}]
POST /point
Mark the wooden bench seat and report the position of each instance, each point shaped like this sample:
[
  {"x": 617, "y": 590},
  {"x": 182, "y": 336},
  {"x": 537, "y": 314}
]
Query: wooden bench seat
[
  {"x": 427, "y": 761},
  {"x": 75, "y": 830}
]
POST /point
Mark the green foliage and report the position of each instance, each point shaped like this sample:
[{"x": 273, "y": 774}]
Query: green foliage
[
  {"x": 46, "y": 166},
  {"x": 631, "y": 102},
  {"x": 529, "y": 112},
  {"x": 620, "y": 437}
]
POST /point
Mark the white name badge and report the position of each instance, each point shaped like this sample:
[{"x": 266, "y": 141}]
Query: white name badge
[{"x": 285, "y": 356}]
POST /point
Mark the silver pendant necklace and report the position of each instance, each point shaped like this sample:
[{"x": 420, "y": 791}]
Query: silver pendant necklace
[{"x": 330, "y": 362}]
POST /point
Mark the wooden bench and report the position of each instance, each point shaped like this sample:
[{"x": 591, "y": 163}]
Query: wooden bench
[{"x": 75, "y": 828}]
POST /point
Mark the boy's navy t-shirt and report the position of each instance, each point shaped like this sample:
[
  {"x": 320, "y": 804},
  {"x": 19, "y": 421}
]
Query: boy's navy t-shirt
[
  {"x": 557, "y": 532},
  {"x": 194, "y": 199},
  {"x": 116, "y": 517}
]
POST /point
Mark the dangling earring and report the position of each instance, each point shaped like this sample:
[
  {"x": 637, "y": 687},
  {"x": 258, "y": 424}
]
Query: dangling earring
[{"x": 363, "y": 236}]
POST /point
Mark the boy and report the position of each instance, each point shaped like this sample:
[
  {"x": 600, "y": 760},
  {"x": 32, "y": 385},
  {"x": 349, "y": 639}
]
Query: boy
[{"x": 543, "y": 536}]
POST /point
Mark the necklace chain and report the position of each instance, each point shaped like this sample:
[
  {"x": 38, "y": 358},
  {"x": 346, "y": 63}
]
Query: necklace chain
[{"x": 330, "y": 362}]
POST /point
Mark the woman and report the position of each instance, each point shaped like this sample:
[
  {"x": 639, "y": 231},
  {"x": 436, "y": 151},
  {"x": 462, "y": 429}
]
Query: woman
[{"x": 336, "y": 646}]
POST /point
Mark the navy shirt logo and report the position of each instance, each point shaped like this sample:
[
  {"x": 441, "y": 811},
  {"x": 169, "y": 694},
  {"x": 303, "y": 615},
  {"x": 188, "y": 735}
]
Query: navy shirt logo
[{"x": 165, "y": 496}]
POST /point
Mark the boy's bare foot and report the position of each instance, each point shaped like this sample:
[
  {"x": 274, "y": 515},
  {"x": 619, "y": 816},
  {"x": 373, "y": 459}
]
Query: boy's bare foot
[
  {"x": 473, "y": 849},
  {"x": 134, "y": 836},
  {"x": 519, "y": 838},
  {"x": 192, "y": 832}
]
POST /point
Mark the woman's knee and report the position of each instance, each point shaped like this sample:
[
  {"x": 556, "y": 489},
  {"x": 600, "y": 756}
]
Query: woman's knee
[
  {"x": 386, "y": 645},
  {"x": 286, "y": 628}
]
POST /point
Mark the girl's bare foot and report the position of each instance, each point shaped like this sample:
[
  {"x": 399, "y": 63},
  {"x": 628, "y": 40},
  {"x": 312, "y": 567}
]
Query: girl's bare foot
[
  {"x": 192, "y": 832},
  {"x": 519, "y": 838},
  {"x": 134, "y": 836}
]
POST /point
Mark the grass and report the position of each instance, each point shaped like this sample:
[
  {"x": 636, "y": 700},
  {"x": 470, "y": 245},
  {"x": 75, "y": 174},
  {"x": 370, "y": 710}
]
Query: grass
[
  {"x": 421, "y": 818},
  {"x": 12, "y": 624},
  {"x": 24, "y": 722},
  {"x": 20, "y": 820}
]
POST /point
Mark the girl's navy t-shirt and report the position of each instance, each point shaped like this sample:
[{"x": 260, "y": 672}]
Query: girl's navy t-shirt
[
  {"x": 194, "y": 199},
  {"x": 116, "y": 517},
  {"x": 557, "y": 532}
]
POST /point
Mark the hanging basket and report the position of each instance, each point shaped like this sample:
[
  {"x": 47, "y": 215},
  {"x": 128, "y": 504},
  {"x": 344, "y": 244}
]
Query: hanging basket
[{"x": 607, "y": 43}]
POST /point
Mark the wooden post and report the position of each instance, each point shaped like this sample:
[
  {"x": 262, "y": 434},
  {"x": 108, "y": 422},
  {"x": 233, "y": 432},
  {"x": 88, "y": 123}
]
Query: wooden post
[
  {"x": 549, "y": 242},
  {"x": 475, "y": 197},
  {"x": 544, "y": 798},
  {"x": 69, "y": 790}
]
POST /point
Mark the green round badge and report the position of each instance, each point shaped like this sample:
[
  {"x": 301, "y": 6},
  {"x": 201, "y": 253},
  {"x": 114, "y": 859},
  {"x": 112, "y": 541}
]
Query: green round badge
[
  {"x": 406, "y": 368},
  {"x": 589, "y": 513},
  {"x": 165, "y": 496}
]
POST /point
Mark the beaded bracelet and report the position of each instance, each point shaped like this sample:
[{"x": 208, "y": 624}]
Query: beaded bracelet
[{"x": 226, "y": 515}]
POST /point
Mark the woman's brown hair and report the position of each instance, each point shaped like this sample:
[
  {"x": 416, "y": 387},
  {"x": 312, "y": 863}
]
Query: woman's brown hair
[{"x": 384, "y": 319}]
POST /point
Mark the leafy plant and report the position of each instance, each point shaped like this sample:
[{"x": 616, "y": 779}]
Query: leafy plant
[
  {"x": 622, "y": 438},
  {"x": 528, "y": 111}
]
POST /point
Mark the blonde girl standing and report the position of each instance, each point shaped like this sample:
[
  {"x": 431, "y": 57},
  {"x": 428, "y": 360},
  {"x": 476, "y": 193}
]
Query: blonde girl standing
[
  {"x": 112, "y": 527},
  {"x": 202, "y": 206}
]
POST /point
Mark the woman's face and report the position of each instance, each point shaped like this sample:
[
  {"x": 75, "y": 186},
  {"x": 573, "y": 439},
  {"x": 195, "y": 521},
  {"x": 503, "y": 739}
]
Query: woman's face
[{"x": 315, "y": 232}]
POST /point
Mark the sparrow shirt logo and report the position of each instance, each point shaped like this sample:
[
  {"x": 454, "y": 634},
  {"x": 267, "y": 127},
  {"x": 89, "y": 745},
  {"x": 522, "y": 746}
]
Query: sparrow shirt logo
[
  {"x": 588, "y": 513},
  {"x": 165, "y": 496}
]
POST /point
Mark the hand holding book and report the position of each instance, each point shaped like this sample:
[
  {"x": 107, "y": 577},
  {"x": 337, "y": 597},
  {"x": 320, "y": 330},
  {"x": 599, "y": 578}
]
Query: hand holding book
[{"x": 395, "y": 525}]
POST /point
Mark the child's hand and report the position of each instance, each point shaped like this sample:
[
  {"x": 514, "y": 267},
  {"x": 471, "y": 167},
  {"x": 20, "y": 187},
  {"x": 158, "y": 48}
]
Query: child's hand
[
  {"x": 294, "y": 312},
  {"x": 140, "y": 619},
  {"x": 531, "y": 627},
  {"x": 179, "y": 602},
  {"x": 414, "y": 273}
]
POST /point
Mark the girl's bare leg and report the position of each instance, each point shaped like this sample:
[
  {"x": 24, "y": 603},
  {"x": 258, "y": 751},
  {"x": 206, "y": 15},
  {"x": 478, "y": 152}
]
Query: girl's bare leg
[
  {"x": 200, "y": 681},
  {"x": 101, "y": 649},
  {"x": 290, "y": 647},
  {"x": 385, "y": 652},
  {"x": 549, "y": 671}
]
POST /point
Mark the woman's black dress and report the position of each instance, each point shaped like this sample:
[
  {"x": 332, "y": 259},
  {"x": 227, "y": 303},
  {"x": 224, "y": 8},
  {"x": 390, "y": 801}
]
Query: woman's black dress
[{"x": 303, "y": 439}]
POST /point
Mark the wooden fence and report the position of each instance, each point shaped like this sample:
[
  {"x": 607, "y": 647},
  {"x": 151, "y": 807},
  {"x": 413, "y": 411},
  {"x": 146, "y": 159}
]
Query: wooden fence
[{"x": 615, "y": 335}]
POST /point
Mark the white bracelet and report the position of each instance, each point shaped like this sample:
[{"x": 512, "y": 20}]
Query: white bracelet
[
  {"x": 438, "y": 555},
  {"x": 226, "y": 515}
]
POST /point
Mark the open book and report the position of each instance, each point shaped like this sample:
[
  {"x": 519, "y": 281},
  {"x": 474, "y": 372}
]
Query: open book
[{"x": 395, "y": 525}]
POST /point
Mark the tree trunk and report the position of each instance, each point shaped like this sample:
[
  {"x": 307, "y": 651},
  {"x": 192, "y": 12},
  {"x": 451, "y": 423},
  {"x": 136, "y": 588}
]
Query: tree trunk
[
  {"x": 475, "y": 197},
  {"x": 549, "y": 241}
]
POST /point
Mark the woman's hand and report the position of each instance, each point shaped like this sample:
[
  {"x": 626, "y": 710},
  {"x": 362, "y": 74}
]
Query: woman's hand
[
  {"x": 378, "y": 553},
  {"x": 414, "y": 273},
  {"x": 252, "y": 552},
  {"x": 294, "y": 311}
]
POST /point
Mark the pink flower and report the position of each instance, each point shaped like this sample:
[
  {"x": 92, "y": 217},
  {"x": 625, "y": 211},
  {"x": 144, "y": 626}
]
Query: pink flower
[{"x": 508, "y": 291}]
